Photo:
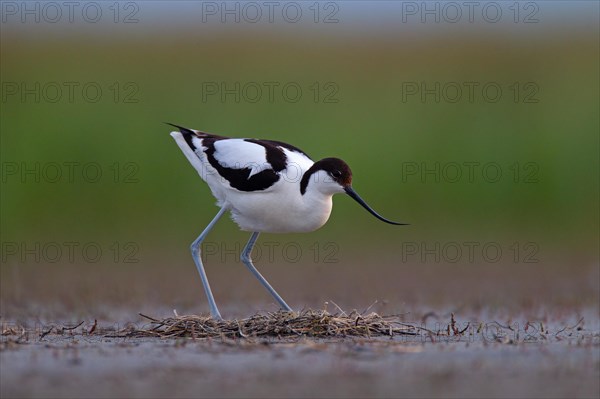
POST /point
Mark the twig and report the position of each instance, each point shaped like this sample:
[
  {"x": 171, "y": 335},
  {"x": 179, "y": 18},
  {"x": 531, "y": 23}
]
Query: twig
[
  {"x": 370, "y": 306},
  {"x": 340, "y": 309},
  {"x": 569, "y": 328},
  {"x": 71, "y": 328},
  {"x": 148, "y": 317}
]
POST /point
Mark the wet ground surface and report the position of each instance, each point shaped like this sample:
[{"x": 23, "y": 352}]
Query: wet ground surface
[
  {"x": 519, "y": 332},
  {"x": 511, "y": 358}
]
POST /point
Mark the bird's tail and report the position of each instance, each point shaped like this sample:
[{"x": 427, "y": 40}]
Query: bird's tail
[
  {"x": 182, "y": 130},
  {"x": 189, "y": 133}
]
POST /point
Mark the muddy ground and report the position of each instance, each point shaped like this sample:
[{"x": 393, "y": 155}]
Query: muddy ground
[
  {"x": 507, "y": 358},
  {"x": 520, "y": 332}
]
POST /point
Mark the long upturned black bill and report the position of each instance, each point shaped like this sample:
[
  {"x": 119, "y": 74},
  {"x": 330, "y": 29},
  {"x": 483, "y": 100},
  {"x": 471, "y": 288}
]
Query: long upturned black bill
[{"x": 350, "y": 191}]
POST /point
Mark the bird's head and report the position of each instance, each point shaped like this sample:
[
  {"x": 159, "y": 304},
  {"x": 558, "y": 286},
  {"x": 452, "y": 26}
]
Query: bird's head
[{"x": 332, "y": 176}]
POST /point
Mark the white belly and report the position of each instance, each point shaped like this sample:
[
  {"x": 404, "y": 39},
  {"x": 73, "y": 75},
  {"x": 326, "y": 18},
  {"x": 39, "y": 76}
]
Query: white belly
[{"x": 274, "y": 213}]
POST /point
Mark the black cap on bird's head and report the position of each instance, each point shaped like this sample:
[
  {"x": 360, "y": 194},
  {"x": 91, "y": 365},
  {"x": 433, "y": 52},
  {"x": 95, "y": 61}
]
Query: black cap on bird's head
[{"x": 340, "y": 172}]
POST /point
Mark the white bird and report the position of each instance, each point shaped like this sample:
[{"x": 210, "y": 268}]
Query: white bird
[{"x": 268, "y": 186}]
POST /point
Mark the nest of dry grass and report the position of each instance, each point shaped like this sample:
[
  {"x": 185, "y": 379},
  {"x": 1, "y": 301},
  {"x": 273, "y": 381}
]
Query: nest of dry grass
[{"x": 309, "y": 323}]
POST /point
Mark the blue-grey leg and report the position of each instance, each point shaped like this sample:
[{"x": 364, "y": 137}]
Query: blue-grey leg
[
  {"x": 248, "y": 262},
  {"x": 195, "y": 247}
]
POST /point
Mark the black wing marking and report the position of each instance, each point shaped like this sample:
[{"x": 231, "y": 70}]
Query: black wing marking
[{"x": 239, "y": 178}]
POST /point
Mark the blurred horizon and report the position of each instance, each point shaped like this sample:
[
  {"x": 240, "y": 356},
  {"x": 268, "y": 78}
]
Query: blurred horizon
[{"x": 375, "y": 16}]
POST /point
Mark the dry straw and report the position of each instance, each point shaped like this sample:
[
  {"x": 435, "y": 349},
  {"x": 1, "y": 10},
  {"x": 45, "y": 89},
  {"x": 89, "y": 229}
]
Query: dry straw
[{"x": 310, "y": 323}]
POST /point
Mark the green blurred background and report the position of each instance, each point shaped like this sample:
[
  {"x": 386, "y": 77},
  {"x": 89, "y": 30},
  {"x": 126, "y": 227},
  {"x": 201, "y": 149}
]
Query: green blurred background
[{"x": 149, "y": 203}]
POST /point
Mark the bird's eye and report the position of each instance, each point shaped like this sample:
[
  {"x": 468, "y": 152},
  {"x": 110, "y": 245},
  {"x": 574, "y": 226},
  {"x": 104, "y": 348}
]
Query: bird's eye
[{"x": 336, "y": 173}]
